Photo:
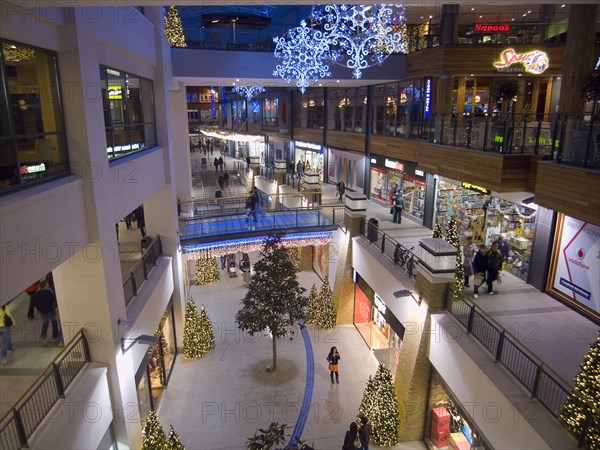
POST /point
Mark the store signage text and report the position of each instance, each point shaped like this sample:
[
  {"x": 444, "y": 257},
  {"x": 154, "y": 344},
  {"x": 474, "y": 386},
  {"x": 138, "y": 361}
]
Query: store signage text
[
  {"x": 380, "y": 305},
  {"x": 391, "y": 164},
  {"x": 33, "y": 169},
  {"x": 427, "y": 110},
  {"x": 373, "y": 161},
  {"x": 535, "y": 61},
  {"x": 419, "y": 173},
  {"x": 414, "y": 180},
  {"x": 474, "y": 187},
  {"x": 495, "y": 28},
  {"x": 308, "y": 145}
]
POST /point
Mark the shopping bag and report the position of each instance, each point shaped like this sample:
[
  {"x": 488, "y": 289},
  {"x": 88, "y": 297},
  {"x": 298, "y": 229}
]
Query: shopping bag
[{"x": 478, "y": 279}]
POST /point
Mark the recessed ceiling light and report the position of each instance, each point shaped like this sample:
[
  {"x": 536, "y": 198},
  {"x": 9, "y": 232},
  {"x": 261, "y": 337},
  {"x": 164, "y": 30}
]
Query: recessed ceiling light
[
  {"x": 234, "y": 84},
  {"x": 512, "y": 20},
  {"x": 481, "y": 17},
  {"x": 237, "y": 79},
  {"x": 520, "y": 75},
  {"x": 320, "y": 84},
  {"x": 472, "y": 75},
  {"x": 525, "y": 15},
  {"x": 337, "y": 81},
  {"x": 421, "y": 17},
  {"x": 529, "y": 12},
  {"x": 562, "y": 6},
  {"x": 472, "y": 9},
  {"x": 431, "y": 17}
]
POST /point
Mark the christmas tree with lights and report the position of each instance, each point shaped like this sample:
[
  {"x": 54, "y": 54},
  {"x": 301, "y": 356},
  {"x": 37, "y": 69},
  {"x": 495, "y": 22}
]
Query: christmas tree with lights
[
  {"x": 380, "y": 406},
  {"x": 582, "y": 409},
  {"x": 154, "y": 437},
  {"x": 295, "y": 257},
  {"x": 192, "y": 332},
  {"x": 207, "y": 338},
  {"x": 327, "y": 315},
  {"x": 207, "y": 270},
  {"x": 438, "y": 231},
  {"x": 274, "y": 299},
  {"x": 459, "y": 271},
  {"x": 173, "y": 442},
  {"x": 174, "y": 28},
  {"x": 313, "y": 305}
]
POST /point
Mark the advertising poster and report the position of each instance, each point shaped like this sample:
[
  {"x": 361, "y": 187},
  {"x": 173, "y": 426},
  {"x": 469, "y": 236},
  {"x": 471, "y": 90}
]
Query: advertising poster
[{"x": 577, "y": 262}]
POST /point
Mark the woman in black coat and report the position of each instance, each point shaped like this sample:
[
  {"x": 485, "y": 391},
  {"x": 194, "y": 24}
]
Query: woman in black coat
[
  {"x": 480, "y": 265},
  {"x": 350, "y": 437},
  {"x": 334, "y": 358}
]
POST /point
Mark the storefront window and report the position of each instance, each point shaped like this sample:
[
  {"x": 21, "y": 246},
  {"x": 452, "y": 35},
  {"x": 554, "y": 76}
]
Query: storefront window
[
  {"x": 372, "y": 320},
  {"x": 378, "y": 109},
  {"x": 32, "y": 135},
  {"x": 447, "y": 424},
  {"x": 128, "y": 102},
  {"x": 145, "y": 404},
  {"x": 391, "y": 109},
  {"x": 485, "y": 217},
  {"x": 360, "y": 112},
  {"x": 269, "y": 116},
  {"x": 254, "y": 115}
]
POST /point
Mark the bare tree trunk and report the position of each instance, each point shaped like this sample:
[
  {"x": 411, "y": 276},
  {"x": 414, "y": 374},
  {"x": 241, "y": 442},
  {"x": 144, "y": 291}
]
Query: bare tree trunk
[{"x": 274, "y": 353}]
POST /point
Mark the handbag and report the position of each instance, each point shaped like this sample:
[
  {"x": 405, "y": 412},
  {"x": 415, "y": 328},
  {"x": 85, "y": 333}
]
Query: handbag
[
  {"x": 392, "y": 210},
  {"x": 478, "y": 280},
  {"x": 8, "y": 322}
]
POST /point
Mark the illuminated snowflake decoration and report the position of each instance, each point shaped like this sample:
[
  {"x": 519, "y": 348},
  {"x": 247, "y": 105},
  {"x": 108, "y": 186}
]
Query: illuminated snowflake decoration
[
  {"x": 249, "y": 91},
  {"x": 361, "y": 36},
  {"x": 302, "y": 55}
]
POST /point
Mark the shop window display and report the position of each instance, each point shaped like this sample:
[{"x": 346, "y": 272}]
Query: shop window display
[{"x": 446, "y": 423}]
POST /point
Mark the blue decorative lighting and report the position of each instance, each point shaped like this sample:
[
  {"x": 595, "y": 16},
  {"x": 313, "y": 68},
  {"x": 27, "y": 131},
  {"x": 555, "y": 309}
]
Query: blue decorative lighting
[
  {"x": 249, "y": 91},
  {"x": 302, "y": 55},
  {"x": 361, "y": 36}
]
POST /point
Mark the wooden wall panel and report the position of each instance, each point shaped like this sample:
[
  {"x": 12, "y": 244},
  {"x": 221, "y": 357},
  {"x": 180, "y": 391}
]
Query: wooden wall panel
[
  {"x": 343, "y": 139},
  {"x": 309, "y": 135},
  {"x": 500, "y": 172},
  {"x": 478, "y": 59},
  {"x": 570, "y": 190}
]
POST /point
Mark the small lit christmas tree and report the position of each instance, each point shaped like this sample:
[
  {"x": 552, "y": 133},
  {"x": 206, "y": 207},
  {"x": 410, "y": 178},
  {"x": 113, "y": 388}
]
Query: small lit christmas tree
[
  {"x": 327, "y": 315},
  {"x": 313, "y": 305},
  {"x": 380, "y": 406},
  {"x": 154, "y": 436},
  {"x": 192, "y": 344},
  {"x": 173, "y": 442},
  {"x": 207, "y": 338},
  {"x": 584, "y": 402},
  {"x": 438, "y": 231},
  {"x": 295, "y": 257},
  {"x": 207, "y": 270},
  {"x": 459, "y": 271},
  {"x": 174, "y": 28}
]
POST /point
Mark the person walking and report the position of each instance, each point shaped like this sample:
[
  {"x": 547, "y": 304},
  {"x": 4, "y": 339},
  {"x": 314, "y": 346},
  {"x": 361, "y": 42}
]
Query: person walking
[
  {"x": 494, "y": 266},
  {"x": 221, "y": 182},
  {"x": 334, "y": 358},
  {"x": 397, "y": 205},
  {"x": 250, "y": 218},
  {"x": 341, "y": 188},
  {"x": 216, "y": 163},
  {"x": 221, "y": 163},
  {"x": 6, "y": 322},
  {"x": 504, "y": 247},
  {"x": 364, "y": 431},
  {"x": 352, "y": 438},
  {"x": 31, "y": 290},
  {"x": 223, "y": 262},
  {"x": 226, "y": 179},
  {"x": 141, "y": 220},
  {"x": 247, "y": 162},
  {"x": 44, "y": 301},
  {"x": 469, "y": 250},
  {"x": 480, "y": 264}
]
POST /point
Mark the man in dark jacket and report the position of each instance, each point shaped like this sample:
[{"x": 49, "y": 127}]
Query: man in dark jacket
[
  {"x": 503, "y": 246},
  {"x": 480, "y": 265},
  {"x": 45, "y": 302},
  {"x": 494, "y": 266}
]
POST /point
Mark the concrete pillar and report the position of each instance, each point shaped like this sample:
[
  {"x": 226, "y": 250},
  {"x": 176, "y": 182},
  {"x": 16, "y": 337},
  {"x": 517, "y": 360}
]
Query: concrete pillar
[
  {"x": 343, "y": 295},
  {"x": 579, "y": 54},
  {"x": 449, "y": 24},
  {"x": 181, "y": 142},
  {"x": 413, "y": 371}
]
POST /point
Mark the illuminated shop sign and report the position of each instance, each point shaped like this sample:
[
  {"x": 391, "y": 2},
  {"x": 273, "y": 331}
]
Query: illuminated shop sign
[
  {"x": 33, "y": 169},
  {"x": 427, "y": 97},
  {"x": 474, "y": 187},
  {"x": 115, "y": 92},
  {"x": 494, "y": 28},
  {"x": 414, "y": 180},
  {"x": 307, "y": 145},
  {"x": 419, "y": 173},
  {"x": 373, "y": 161},
  {"x": 395, "y": 165},
  {"x": 535, "y": 61}
]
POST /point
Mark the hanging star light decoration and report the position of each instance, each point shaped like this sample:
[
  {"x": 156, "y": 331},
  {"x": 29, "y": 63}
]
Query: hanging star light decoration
[
  {"x": 249, "y": 91},
  {"x": 302, "y": 55},
  {"x": 361, "y": 36}
]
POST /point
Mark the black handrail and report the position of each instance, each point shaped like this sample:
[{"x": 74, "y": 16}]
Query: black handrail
[
  {"x": 549, "y": 388},
  {"x": 139, "y": 272},
  {"x": 21, "y": 421}
]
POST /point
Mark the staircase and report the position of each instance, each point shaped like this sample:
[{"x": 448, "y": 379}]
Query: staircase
[{"x": 205, "y": 185}]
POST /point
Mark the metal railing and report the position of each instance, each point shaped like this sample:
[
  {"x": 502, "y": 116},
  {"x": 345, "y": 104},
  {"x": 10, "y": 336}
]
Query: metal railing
[
  {"x": 531, "y": 372},
  {"x": 402, "y": 255},
  {"x": 30, "y": 410},
  {"x": 564, "y": 139},
  {"x": 139, "y": 272}
]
